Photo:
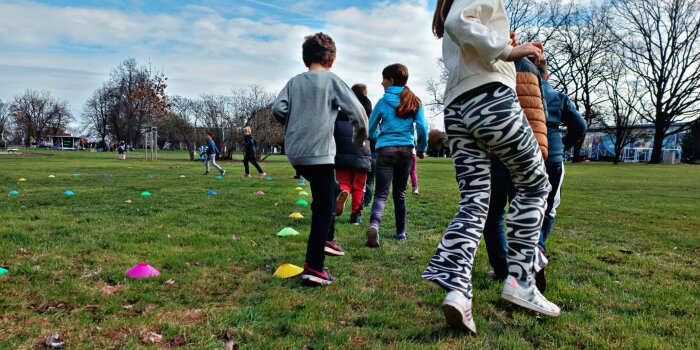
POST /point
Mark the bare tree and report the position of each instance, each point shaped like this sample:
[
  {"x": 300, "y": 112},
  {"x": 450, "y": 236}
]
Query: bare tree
[
  {"x": 181, "y": 123},
  {"x": 4, "y": 120},
  {"x": 578, "y": 58},
  {"x": 216, "y": 114},
  {"x": 661, "y": 42},
  {"x": 268, "y": 132},
  {"x": 624, "y": 100},
  {"x": 536, "y": 20},
  {"x": 436, "y": 89},
  {"x": 38, "y": 113}
]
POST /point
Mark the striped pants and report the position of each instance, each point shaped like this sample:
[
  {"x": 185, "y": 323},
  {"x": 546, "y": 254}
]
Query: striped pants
[{"x": 490, "y": 118}]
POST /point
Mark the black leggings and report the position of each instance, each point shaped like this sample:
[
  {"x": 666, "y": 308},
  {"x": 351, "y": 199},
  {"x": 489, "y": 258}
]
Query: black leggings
[{"x": 251, "y": 159}]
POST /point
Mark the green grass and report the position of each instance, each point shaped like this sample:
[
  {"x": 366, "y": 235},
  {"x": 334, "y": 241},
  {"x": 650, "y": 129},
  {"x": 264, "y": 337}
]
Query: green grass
[{"x": 624, "y": 269}]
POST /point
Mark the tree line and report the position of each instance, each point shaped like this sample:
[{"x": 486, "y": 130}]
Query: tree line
[{"x": 623, "y": 63}]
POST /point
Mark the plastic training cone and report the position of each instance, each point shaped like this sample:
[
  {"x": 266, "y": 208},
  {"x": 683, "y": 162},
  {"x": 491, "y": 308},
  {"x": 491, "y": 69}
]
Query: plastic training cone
[
  {"x": 287, "y": 270},
  {"x": 287, "y": 231},
  {"x": 14, "y": 193},
  {"x": 260, "y": 193},
  {"x": 299, "y": 188},
  {"x": 212, "y": 193},
  {"x": 51, "y": 176},
  {"x": 296, "y": 215},
  {"x": 303, "y": 193},
  {"x": 218, "y": 177},
  {"x": 302, "y": 202},
  {"x": 142, "y": 270},
  {"x": 268, "y": 178},
  {"x": 68, "y": 193},
  {"x": 182, "y": 175},
  {"x": 108, "y": 175},
  {"x": 21, "y": 179},
  {"x": 145, "y": 194},
  {"x": 75, "y": 174},
  {"x": 3, "y": 271}
]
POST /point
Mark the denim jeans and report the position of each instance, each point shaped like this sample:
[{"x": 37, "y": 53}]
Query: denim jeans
[
  {"x": 502, "y": 191},
  {"x": 393, "y": 166},
  {"x": 323, "y": 191}
]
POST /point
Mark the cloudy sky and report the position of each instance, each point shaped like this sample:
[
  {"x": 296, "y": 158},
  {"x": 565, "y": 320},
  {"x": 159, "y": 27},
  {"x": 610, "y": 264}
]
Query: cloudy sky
[{"x": 209, "y": 46}]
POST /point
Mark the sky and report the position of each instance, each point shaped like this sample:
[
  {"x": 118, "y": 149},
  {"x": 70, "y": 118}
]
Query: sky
[{"x": 212, "y": 46}]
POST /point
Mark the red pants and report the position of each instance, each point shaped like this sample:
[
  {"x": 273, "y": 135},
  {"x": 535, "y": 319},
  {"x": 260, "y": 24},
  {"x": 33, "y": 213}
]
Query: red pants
[{"x": 353, "y": 181}]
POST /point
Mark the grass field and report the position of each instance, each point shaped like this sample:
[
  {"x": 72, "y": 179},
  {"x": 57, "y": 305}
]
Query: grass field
[{"x": 625, "y": 265}]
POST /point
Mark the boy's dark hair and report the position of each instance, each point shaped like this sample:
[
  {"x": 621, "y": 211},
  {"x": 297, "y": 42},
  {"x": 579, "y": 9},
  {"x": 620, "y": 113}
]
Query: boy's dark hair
[
  {"x": 359, "y": 89},
  {"x": 318, "y": 48},
  {"x": 210, "y": 134}
]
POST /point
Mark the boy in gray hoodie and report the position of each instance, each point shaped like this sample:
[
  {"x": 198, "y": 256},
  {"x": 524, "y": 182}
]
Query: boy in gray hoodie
[{"x": 308, "y": 106}]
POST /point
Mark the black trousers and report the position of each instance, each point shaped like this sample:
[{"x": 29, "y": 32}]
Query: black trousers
[
  {"x": 323, "y": 191},
  {"x": 248, "y": 158}
]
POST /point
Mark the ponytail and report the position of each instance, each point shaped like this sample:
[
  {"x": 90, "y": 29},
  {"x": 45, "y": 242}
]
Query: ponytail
[{"x": 410, "y": 103}]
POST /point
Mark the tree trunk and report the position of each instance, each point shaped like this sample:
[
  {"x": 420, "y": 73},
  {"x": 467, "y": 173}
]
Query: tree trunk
[{"x": 658, "y": 145}]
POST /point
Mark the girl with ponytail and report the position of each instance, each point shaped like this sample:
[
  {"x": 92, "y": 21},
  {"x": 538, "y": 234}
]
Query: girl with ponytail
[
  {"x": 398, "y": 115},
  {"x": 482, "y": 113}
]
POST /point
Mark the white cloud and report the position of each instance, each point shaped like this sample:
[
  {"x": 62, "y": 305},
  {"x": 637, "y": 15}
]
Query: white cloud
[{"x": 71, "y": 51}]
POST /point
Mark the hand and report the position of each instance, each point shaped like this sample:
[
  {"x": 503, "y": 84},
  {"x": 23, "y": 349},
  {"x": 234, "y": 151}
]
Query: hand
[
  {"x": 362, "y": 145},
  {"x": 513, "y": 40},
  {"x": 525, "y": 50},
  {"x": 420, "y": 155}
]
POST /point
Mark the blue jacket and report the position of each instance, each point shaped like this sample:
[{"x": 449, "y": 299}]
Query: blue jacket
[
  {"x": 396, "y": 131},
  {"x": 211, "y": 147},
  {"x": 560, "y": 110}
]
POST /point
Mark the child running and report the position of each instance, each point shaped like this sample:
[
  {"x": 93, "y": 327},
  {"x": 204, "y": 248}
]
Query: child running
[
  {"x": 251, "y": 148},
  {"x": 352, "y": 164},
  {"x": 483, "y": 112},
  {"x": 397, "y": 113},
  {"x": 308, "y": 106},
  {"x": 212, "y": 151}
]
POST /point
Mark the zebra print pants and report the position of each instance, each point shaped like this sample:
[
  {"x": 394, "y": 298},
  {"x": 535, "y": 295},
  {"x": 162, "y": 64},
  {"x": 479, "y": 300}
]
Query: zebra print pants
[{"x": 490, "y": 119}]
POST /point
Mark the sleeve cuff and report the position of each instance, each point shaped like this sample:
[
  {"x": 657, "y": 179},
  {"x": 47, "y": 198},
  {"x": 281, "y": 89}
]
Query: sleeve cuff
[{"x": 505, "y": 53}]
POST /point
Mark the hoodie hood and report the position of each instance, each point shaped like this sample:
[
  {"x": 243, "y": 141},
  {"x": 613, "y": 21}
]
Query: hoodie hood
[{"x": 392, "y": 95}]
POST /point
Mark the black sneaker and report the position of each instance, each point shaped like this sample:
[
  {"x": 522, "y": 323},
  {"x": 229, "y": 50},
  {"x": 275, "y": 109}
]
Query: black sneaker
[
  {"x": 356, "y": 218},
  {"x": 333, "y": 249},
  {"x": 340, "y": 202},
  {"x": 223, "y": 172},
  {"x": 315, "y": 278},
  {"x": 206, "y": 173}
]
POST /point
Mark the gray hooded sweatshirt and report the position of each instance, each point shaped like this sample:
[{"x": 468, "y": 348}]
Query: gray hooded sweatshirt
[{"x": 308, "y": 106}]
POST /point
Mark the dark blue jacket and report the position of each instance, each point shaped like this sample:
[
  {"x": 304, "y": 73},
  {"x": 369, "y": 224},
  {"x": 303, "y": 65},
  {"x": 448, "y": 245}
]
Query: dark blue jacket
[
  {"x": 250, "y": 145},
  {"x": 560, "y": 110},
  {"x": 347, "y": 155},
  {"x": 211, "y": 147}
]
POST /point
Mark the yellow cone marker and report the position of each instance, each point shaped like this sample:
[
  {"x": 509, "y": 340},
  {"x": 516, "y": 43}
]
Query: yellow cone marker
[
  {"x": 287, "y": 270},
  {"x": 296, "y": 215}
]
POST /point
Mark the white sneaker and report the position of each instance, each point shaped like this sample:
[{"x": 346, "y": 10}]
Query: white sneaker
[
  {"x": 458, "y": 311},
  {"x": 415, "y": 190},
  {"x": 529, "y": 298}
]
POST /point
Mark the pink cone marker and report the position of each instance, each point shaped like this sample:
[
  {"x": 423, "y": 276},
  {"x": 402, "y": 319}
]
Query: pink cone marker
[
  {"x": 260, "y": 192},
  {"x": 142, "y": 270}
]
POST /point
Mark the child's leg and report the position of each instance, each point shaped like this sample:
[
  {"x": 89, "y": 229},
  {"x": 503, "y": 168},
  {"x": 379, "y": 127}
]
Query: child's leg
[
  {"x": 414, "y": 174},
  {"x": 344, "y": 178},
  {"x": 451, "y": 266},
  {"x": 245, "y": 165},
  {"x": 402, "y": 170},
  {"x": 213, "y": 162},
  {"x": 385, "y": 172},
  {"x": 206, "y": 163},
  {"x": 494, "y": 229},
  {"x": 255, "y": 164},
  {"x": 322, "y": 181},
  {"x": 369, "y": 185},
  {"x": 359, "y": 178}
]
